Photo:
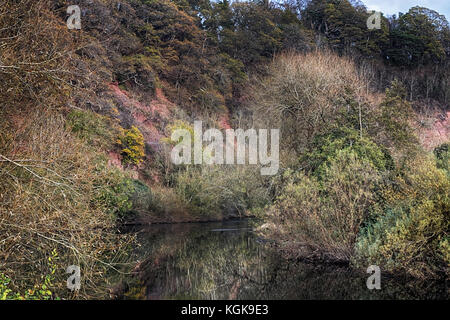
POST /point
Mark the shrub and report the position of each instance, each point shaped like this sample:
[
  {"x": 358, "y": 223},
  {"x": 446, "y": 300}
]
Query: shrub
[
  {"x": 115, "y": 192},
  {"x": 210, "y": 191},
  {"x": 442, "y": 154},
  {"x": 324, "y": 218},
  {"x": 139, "y": 68},
  {"x": 40, "y": 291},
  {"x": 133, "y": 145},
  {"x": 193, "y": 187},
  {"x": 395, "y": 116},
  {"x": 141, "y": 196},
  {"x": 325, "y": 148},
  {"x": 95, "y": 129},
  {"x": 167, "y": 205},
  {"x": 49, "y": 200},
  {"x": 410, "y": 234},
  {"x": 36, "y": 67},
  {"x": 305, "y": 95}
]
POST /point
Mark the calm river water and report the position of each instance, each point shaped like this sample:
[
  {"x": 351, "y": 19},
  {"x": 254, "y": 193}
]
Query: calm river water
[{"x": 226, "y": 260}]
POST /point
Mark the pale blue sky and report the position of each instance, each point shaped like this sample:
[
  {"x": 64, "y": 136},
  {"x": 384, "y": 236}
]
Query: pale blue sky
[{"x": 390, "y": 7}]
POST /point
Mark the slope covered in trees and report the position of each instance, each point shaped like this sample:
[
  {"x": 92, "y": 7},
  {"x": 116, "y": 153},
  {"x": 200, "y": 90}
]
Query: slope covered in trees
[{"x": 86, "y": 116}]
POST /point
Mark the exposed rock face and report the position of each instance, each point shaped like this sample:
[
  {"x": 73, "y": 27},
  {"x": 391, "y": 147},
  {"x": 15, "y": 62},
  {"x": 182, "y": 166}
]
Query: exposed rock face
[{"x": 437, "y": 133}]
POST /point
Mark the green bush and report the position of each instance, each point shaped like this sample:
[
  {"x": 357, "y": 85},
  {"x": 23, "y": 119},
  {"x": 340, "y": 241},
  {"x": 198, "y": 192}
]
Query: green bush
[
  {"x": 442, "y": 154},
  {"x": 95, "y": 129},
  {"x": 396, "y": 113},
  {"x": 115, "y": 192},
  {"x": 324, "y": 217},
  {"x": 141, "y": 196},
  {"x": 122, "y": 196},
  {"x": 41, "y": 291},
  {"x": 326, "y": 147},
  {"x": 410, "y": 233}
]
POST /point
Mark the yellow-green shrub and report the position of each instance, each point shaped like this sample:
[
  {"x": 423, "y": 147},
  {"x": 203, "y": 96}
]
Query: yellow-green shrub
[
  {"x": 324, "y": 218},
  {"x": 133, "y": 144},
  {"x": 410, "y": 234},
  {"x": 41, "y": 291},
  {"x": 95, "y": 129}
]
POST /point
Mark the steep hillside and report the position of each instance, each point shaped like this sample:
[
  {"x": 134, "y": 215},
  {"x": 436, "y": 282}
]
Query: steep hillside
[{"x": 86, "y": 118}]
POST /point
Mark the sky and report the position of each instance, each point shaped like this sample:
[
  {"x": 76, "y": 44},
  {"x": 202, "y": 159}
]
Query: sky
[{"x": 390, "y": 7}]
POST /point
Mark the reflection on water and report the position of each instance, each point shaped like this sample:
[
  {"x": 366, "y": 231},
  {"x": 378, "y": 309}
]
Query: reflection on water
[{"x": 226, "y": 260}]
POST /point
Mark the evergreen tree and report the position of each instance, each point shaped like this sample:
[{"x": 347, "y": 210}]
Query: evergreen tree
[{"x": 419, "y": 37}]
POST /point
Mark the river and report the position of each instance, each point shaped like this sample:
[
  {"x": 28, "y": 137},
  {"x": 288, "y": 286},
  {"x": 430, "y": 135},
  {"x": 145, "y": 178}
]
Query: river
[{"x": 227, "y": 260}]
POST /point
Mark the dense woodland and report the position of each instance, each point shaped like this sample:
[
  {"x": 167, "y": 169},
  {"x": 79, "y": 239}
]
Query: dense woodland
[{"x": 86, "y": 118}]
